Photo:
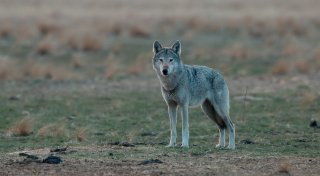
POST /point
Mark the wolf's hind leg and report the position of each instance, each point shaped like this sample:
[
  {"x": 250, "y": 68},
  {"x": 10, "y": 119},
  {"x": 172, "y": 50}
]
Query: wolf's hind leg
[
  {"x": 223, "y": 112},
  {"x": 209, "y": 110}
]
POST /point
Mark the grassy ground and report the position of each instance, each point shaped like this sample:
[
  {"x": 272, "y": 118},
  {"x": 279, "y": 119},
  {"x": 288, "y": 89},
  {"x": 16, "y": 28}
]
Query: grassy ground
[{"x": 84, "y": 81}]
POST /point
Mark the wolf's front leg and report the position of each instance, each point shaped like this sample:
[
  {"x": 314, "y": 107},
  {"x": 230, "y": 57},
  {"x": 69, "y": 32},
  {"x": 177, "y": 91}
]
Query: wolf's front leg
[
  {"x": 172, "y": 110},
  {"x": 185, "y": 126}
]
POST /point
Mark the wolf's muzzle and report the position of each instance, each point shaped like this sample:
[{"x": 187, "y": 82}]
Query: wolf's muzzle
[{"x": 165, "y": 72}]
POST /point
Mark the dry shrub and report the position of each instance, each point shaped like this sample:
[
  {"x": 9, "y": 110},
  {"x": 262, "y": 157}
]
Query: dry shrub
[
  {"x": 291, "y": 50},
  {"x": 46, "y": 28},
  {"x": 302, "y": 67},
  {"x": 35, "y": 70},
  {"x": 280, "y": 68},
  {"x": 81, "y": 134},
  {"x": 43, "y": 48},
  {"x": 136, "y": 31},
  {"x": 238, "y": 52},
  {"x": 116, "y": 30},
  {"x": 309, "y": 98},
  {"x": 197, "y": 24},
  {"x": 116, "y": 48},
  {"x": 285, "y": 167},
  {"x": 22, "y": 128},
  {"x": 91, "y": 44},
  {"x": 139, "y": 65},
  {"x": 112, "y": 66},
  {"x": 52, "y": 130},
  {"x": 77, "y": 63},
  {"x": 5, "y": 31},
  {"x": 45, "y": 130},
  {"x": 8, "y": 69},
  {"x": 73, "y": 43}
]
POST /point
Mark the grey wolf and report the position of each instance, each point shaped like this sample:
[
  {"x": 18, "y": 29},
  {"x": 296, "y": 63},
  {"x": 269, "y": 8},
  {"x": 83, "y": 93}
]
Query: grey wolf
[{"x": 184, "y": 85}]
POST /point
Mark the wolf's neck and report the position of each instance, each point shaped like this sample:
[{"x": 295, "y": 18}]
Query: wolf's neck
[{"x": 172, "y": 81}]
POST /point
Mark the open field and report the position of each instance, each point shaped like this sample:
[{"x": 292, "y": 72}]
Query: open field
[{"x": 77, "y": 76}]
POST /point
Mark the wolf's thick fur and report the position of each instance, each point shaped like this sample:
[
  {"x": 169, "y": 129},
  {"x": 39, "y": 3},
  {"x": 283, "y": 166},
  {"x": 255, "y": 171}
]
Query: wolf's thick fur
[{"x": 183, "y": 86}]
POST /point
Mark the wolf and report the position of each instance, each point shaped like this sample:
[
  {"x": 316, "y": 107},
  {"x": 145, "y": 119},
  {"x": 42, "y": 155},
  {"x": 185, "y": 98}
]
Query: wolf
[{"x": 184, "y": 85}]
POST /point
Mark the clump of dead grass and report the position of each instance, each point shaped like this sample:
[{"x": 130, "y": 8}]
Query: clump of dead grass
[
  {"x": 139, "y": 66},
  {"x": 285, "y": 167},
  {"x": 308, "y": 98},
  {"x": 23, "y": 127},
  {"x": 46, "y": 28},
  {"x": 77, "y": 63},
  {"x": 112, "y": 66},
  {"x": 136, "y": 31},
  {"x": 280, "y": 68},
  {"x": 43, "y": 48},
  {"x": 91, "y": 44},
  {"x": 52, "y": 130},
  {"x": 81, "y": 134},
  {"x": 302, "y": 66}
]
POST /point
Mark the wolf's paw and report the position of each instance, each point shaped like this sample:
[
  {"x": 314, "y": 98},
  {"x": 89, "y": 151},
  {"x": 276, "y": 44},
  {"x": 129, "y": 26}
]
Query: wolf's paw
[
  {"x": 185, "y": 145},
  {"x": 219, "y": 146},
  {"x": 231, "y": 147},
  {"x": 170, "y": 145}
]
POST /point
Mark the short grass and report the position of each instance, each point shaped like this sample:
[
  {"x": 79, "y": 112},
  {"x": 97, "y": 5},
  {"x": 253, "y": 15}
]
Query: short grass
[{"x": 278, "y": 125}]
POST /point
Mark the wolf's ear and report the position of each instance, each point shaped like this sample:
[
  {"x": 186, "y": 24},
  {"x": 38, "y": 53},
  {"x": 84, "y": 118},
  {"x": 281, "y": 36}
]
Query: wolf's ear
[
  {"x": 156, "y": 47},
  {"x": 177, "y": 47}
]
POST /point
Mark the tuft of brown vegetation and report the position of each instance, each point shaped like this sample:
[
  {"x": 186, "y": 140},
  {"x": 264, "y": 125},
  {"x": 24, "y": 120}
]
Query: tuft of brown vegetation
[
  {"x": 73, "y": 43},
  {"x": 139, "y": 65},
  {"x": 43, "y": 48},
  {"x": 91, "y": 44},
  {"x": 45, "y": 130},
  {"x": 52, "y": 130},
  {"x": 302, "y": 67},
  {"x": 77, "y": 63},
  {"x": 280, "y": 68},
  {"x": 81, "y": 134},
  {"x": 238, "y": 52},
  {"x": 308, "y": 98},
  {"x": 136, "y": 31},
  {"x": 285, "y": 167},
  {"x": 112, "y": 66},
  {"x": 46, "y": 28},
  {"x": 22, "y": 128},
  {"x": 291, "y": 50},
  {"x": 5, "y": 32}
]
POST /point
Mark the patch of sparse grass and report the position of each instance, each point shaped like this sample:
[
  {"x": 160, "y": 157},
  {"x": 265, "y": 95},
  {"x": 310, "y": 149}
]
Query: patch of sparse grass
[{"x": 128, "y": 116}]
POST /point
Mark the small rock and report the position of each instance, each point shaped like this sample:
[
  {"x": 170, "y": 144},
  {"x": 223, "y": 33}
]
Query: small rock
[
  {"x": 52, "y": 160},
  {"x": 314, "y": 124},
  {"x": 246, "y": 141}
]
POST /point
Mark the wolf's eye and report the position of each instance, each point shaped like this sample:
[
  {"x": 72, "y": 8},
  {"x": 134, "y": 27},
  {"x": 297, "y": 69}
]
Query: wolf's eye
[
  {"x": 161, "y": 60},
  {"x": 171, "y": 60}
]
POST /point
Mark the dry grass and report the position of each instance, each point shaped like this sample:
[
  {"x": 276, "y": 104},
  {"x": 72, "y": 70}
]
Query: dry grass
[
  {"x": 285, "y": 167},
  {"x": 238, "y": 52},
  {"x": 81, "y": 134},
  {"x": 22, "y": 128},
  {"x": 43, "y": 48},
  {"x": 45, "y": 130},
  {"x": 308, "y": 98},
  {"x": 302, "y": 67},
  {"x": 291, "y": 50},
  {"x": 91, "y": 44},
  {"x": 5, "y": 31},
  {"x": 46, "y": 28},
  {"x": 280, "y": 68},
  {"x": 77, "y": 63},
  {"x": 140, "y": 66},
  {"x": 112, "y": 66},
  {"x": 137, "y": 31}
]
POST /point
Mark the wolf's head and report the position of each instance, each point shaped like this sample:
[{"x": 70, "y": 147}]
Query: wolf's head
[{"x": 166, "y": 61}]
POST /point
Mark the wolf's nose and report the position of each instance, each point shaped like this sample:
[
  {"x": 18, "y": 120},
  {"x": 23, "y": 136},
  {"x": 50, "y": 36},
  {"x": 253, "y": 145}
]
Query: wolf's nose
[{"x": 165, "y": 72}]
